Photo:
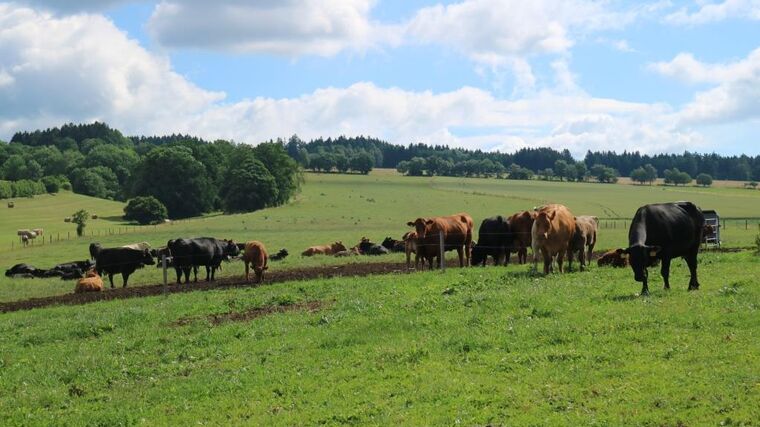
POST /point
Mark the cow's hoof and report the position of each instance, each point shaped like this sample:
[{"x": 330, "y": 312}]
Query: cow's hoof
[{"x": 693, "y": 288}]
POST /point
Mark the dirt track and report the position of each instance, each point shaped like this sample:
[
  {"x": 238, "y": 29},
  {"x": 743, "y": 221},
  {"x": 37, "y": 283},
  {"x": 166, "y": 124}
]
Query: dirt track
[
  {"x": 349, "y": 270},
  {"x": 354, "y": 269}
]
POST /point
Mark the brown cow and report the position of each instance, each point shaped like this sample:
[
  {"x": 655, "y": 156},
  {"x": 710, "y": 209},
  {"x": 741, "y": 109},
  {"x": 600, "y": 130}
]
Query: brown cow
[
  {"x": 410, "y": 247},
  {"x": 613, "y": 258},
  {"x": 585, "y": 238},
  {"x": 521, "y": 224},
  {"x": 552, "y": 235},
  {"x": 91, "y": 282},
  {"x": 324, "y": 249},
  {"x": 457, "y": 234},
  {"x": 255, "y": 254}
]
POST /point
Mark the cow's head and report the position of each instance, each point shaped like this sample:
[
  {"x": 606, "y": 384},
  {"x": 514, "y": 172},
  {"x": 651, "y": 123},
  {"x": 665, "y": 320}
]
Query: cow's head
[
  {"x": 420, "y": 226},
  {"x": 388, "y": 243},
  {"x": 230, "y": 249},
  {"x": 640, "y": 257},
  {"x": 147, "y": 258},
  {"x": 543, "y": 223},
  {"x": 478, "y": 255},
  {"x": 338, "y": 246}
]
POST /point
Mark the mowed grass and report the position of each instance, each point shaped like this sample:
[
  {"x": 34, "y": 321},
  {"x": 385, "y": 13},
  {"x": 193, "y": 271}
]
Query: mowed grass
[
  {"x": 345, "y": 207},
  {"x": 469, "y": 346}
]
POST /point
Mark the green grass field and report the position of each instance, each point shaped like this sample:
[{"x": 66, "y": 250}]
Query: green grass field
[
  {"x": 345, "y": 207},
  {"x": 470, "y": 346},
  {"x": 473, "y": 346}
]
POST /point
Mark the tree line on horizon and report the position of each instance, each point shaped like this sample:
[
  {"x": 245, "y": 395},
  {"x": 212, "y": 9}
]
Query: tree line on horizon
[{"x": 190, "y": 176}]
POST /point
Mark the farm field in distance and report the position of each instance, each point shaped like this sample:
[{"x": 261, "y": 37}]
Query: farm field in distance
[{"x": 495, "y": 345}]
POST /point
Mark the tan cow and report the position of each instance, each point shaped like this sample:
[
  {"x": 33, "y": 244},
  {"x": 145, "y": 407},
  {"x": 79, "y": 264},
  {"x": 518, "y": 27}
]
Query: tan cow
[
  {"x": 91, "y": 282},
  {"x": 324, "y": 249},
  {"x": 552, "y": 235},
  {"x": 255, "y": 254},
  {"x": 142, "y": 246},
  {"x": 410, "y": 247},
  {"x": 585, "y": 238},
  {"x": 521, "y": 224},
  {"x": 457, "y": 235}
]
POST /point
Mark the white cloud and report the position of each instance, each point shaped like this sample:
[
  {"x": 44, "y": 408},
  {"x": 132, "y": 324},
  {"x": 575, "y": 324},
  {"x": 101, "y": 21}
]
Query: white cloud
[
  {"x": 282, "y": 27},
  {"x": 736, "y": 96},
  {"x": 83, "y": 68},
  {"x": 714, "y": 12}
]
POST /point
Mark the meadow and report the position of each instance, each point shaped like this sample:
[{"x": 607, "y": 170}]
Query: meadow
[{"x": 475, "y": 346}]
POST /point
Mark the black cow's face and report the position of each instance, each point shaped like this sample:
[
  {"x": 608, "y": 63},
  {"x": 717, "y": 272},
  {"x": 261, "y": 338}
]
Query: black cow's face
[
  {"x": 231, "y": 249},
  {"x": 640, "y": 257},
  {"x": 147, "y": 258},
  {"x": 478, "y": 256}
]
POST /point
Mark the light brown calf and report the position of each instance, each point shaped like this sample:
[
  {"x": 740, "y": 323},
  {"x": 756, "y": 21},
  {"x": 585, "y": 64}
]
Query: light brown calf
[
  {"x": 324, "y": 249},
  {"x": 255, "y": 254}
]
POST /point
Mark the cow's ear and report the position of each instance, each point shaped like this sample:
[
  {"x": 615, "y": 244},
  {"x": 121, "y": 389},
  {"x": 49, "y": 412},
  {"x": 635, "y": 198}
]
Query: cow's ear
[
  {"x": 429, "y": 222},
  {"x": 554, "y": 213},
  {"x": 654, "y": 250},
  {"x": 410, "y": 223}
]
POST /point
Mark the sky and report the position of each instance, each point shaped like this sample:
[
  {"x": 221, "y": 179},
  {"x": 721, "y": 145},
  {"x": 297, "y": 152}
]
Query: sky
[{"x": 650, "y": 76}]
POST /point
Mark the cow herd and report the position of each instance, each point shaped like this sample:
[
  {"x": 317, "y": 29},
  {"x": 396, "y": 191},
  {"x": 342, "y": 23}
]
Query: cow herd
[{"x": 658, "y": 233}]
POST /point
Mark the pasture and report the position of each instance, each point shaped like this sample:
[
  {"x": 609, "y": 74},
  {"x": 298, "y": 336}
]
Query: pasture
[
  {"x": 345, "y": 207},
  {"x": 470, "y": 346}
]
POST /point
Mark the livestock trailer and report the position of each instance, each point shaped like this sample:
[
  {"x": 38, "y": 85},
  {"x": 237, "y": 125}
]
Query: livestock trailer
[{"x": 711, "y": 236}]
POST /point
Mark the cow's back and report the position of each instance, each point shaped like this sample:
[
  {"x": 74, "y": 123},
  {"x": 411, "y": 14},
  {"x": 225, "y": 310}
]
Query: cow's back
[
  {"x": 676, "y": 227},
  {"x": 255, "y": 253}
]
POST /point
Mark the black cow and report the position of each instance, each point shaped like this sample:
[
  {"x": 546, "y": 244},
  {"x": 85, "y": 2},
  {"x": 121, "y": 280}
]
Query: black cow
[
  {"x": 202, "y": 251},
  {"x": 394, "y": 245},
  {"x": 94, "y": 249},
  {"x": 159, "y": 253},
  {"x": 494, "y": 239},
  {"x": 23, "y": 270},
  {"x": 70, "y": 270},
  {"x": 279, "y": 256},
  {"x": 121, "y": 260},
  {"x": 366, "y": 247},
  {"x": 665, "y": 231}
]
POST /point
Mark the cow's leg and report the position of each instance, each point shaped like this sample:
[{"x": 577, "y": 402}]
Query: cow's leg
[
  {"x": 186, "y": 271},
  {"x": 665, "y": 271},
  {"x": 561, "y": 259},
  {"x": 124, "y": 278},
  {"x": 461, "y": 257},
  {"x": 208, "y": 273},
  {"x": 644, "y": 288},
  {"x": 178, "y": 270},
  {"x": 547, "y": 261},
  {"x": 409, "y": 259},
  {"x": 691, "y": 261},
  {"x": 582, "y": 259},
  {"x": 110, "y": 279},
  {"x": 590, "y": 254},
  {"x": 246, "y": 271}
]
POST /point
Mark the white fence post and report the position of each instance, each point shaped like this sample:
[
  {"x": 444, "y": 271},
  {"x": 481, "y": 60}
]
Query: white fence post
[
  {"x": 440, "y": 243},
  {"x": 163, "y": 264}
]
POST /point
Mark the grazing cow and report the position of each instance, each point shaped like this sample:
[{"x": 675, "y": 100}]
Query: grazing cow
[
  {"x": 520, "y": 225},
  {"x": 494, "y": 239},
  {"x": 552, "y": 235},
  {"x": 457, "y": 235},
  {"x": 665, "y": 231},
  {"x": 202, "y": 251},
  {"x": 393, "y": 245},
  {"x": 324, "y": 249},
  {"x": 279, "y": 256},
  {"x": 94, "y": 249},
  {"x": 614, "y": 258},
  {"x": 138, "y": 246},
  {"x": 585, "y": 238},
  {"x": 92, "y": 282},
  {"x": 26, "y": 235},
  {"x": 121, "y": 260},
  {"x": 25, "y": 240},
  {"x": 38, "y": 231},
  {"x": 255, "y": 254},
  {"x": 366, "y": 247},
  {"x": 410, "y": 247}
]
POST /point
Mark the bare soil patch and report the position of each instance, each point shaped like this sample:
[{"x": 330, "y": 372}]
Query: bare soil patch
[{"x": 252, "y": 313}]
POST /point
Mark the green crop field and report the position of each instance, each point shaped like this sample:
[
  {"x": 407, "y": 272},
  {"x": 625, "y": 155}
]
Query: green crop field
[
  {"x": 344, "y": 207},
  {"x": 476, "y": 346}
]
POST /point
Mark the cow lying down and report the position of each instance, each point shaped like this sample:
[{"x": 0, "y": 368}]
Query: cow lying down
[{"x": 66, "y": 271}]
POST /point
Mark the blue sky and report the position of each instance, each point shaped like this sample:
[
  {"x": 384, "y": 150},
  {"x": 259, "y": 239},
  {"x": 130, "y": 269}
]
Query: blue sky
[{"x": 656, "y": 76}]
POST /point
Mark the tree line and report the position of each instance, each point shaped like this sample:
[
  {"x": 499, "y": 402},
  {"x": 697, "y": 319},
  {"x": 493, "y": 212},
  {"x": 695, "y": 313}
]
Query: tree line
[{"x": 186, "y": 175}]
